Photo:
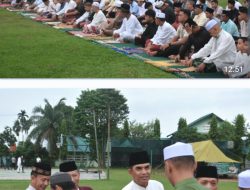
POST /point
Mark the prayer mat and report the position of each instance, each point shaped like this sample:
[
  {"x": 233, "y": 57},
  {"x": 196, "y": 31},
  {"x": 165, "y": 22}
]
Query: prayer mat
[
  {"x": 5, "y": 5},
  {"x": 11, "y": 9},
  {"x": 110, "y": 41},
  {"x": 161, "y": 63},
  {"x": 184, "y": 69},
  {"x": 42, "y": 19},
  {"x": 52, "y": 23},
  {"x": 62, "y": 26}
]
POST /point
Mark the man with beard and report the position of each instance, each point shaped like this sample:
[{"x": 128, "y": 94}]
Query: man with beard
[
  {"x": 40, "y": 175},
  {"x": 140, "y": 169}
]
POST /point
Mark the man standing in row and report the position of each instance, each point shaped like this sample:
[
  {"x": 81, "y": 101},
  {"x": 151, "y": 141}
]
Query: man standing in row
[
  {"x": 40, "y": 175},
  {"x": 71, "y": 168},
  {"x": 180, "y": 166},
  {"x": 140, "y": 170}
]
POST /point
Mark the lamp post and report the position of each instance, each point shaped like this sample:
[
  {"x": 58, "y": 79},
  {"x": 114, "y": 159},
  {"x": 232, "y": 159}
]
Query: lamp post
[
  {"x": 245, "y": 150},
  {"x": 59, "y": 145}
]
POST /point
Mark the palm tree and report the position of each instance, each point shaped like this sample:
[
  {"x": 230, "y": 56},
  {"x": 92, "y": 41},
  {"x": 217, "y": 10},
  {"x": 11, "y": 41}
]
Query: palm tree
[
  {"x": 22, "y": 124},
  {"x": 47, "y": 121}
]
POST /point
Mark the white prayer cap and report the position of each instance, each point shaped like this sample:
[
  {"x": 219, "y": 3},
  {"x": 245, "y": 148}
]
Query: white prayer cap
[
  {"x": 159, "y": 4},
  {"x": 118, "y": 3},
  {"x": 244, "y": 179},
  {"x": 178, "y": 149},
  {"x": 160, "y": 15},
  {"x": 210, "y": 24},
  {"x": 96, "y": 4}
]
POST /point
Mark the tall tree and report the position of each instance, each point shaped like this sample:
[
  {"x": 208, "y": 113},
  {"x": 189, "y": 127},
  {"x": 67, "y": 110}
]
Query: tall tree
[
  {"x": 182, "y": 123},
  {"x": 213, "y": 131},
  {"x": 22, "y": 124},
  {"x": 98, "y": 101},
  {"x": 126, "y": 132},
  {"x": 157, "y": 129},
  {"x": 8, "y": 136},
  {"x": 239, "y": 124},
  {"x": 47, "y": 123}
]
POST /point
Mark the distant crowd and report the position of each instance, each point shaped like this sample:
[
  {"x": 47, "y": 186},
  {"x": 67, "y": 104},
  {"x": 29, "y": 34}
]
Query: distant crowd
[{"x": 198, "y": 33}]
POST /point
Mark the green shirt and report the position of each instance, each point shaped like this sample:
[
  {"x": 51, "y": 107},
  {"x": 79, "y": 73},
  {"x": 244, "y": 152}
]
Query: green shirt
[{"x": 189, "y": 184}]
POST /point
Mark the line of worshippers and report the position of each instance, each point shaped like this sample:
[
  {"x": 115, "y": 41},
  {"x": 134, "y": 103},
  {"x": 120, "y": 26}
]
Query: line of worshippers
[
  {"x": 68, "y": 177},
  {"x": 195, "y": 33}
]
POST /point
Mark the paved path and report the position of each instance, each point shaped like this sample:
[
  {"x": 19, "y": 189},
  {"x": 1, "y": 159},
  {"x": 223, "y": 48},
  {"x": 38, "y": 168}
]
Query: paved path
[{"x": 13, "y": 175}]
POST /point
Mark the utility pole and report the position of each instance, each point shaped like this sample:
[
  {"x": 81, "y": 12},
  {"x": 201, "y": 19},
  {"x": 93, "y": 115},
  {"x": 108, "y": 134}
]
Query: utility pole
[
  {"x": 96, "y": 144},
  {"x": 108, "y": 142}
]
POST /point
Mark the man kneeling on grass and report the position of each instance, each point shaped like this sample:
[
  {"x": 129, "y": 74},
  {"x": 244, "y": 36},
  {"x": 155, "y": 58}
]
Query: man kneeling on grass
[{"x": 140, "y": 169}]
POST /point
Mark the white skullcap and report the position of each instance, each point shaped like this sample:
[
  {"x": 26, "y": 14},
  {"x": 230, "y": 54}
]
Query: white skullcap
[
  {"x": 244, "y": 179},
  {"x": 96, "y": 4},
  {"x": 118, "y": 3},
  {"x": 159, "y": 4},
  {"x": 210, "y": 24},
  {"x": 178, "y": 149},
  {"x": 160, "y": 15}
]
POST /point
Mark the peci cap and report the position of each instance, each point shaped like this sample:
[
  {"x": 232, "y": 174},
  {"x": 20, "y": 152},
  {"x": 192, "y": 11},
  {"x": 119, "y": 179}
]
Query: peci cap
[
  {"x": 138, "y": 158},
  {"x": 41, "y": 168},
  {"x": 61, "y": 178},
  {"x": 206, "y": 171},
  {"x": 160, "y": 15},
  {"x": 67, "y": 166},
  {"x": 210, "y": 24},
  {"x": 178, "y": 149}
]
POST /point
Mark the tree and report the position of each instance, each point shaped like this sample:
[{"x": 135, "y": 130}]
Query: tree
[
  {"x": 157, "y": 129},
  {"x": 47, "y": 123},
  {"x": 182, "y": 123},
  {"x": 213, "y": 131},
  {"x": 98, "y": 102},
  {"x": 126, "y": 132},
  {"x": 226, "y": 132},
  {"x": 7, "y": 139},
  {"x": 239, "y": 124},
  {"x": 22, "y": 124}
]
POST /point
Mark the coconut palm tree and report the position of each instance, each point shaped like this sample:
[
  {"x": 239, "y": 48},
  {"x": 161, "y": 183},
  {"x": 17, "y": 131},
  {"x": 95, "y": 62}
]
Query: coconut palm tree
[
  {"x": 22, "y": 124},
  {"x": 47, "y": 121}
]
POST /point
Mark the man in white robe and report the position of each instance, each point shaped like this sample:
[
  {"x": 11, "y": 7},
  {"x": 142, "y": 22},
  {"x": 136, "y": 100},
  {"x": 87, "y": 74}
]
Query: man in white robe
[
  {"x": 140, "y": 170},
  {"x": 130, "y": 28},
  {"x": 165, "y": 33},
  {"x": 219, "y": 51}
]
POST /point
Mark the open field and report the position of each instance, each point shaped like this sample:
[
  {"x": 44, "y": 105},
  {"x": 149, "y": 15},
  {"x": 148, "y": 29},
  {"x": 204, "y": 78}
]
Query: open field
[
  {"x": 29, "y": 49},
  {"x": 119, "y": 178}
]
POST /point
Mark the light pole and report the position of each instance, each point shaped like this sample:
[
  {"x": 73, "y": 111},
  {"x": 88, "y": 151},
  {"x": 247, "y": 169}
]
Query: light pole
[
  {"x": 59, "y": 145},
  {"x": 245, "y": 150}
]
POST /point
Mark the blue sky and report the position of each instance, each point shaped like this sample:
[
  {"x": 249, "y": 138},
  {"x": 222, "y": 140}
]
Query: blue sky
[{"x": 145, "y": 104}]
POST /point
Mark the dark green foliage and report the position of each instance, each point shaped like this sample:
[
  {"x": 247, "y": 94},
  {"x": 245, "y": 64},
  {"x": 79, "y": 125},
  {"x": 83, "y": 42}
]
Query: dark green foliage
[
  {"x": 97, "y": 102},
  {"x": 182, "y": 123},
  {"x": 157, "y": 129},
  {"x": 213, "y": 131},
  {"x": 126, "y": 132}
]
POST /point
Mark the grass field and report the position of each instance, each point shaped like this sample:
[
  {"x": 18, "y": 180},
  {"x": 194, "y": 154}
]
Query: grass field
[
  {"x": 29, "y": 49},
  {"x": 119, "y": 178}
]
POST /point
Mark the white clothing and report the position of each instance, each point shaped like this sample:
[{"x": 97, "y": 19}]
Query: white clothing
[
  {"x": 240, "y": 67},
  {"x": 19, "y": 164},
  {"x": 54, "y": 8},
  {"x": 200, "y": 19},
  {"x": 98, "y": 19},
  {"x": 142, "y": 9},
  {"x": 164, "y": 34},
  {"x": 220, "y": 50},
  {"x": 68, "y": 6},
  {"x": 83, "y": 18},
  {"x": 243, "y": 29},
  {"x": 30, "y": 188},
  {"x": 152, "y": 185},
  {"x": 130, "y": 28},
  {"x": 38, "y": 160}
]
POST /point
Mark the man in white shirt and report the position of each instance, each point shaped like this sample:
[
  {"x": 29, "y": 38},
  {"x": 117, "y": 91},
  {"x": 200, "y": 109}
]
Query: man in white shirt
[
  {"x": 243, "y": 19},
  {"x": 130, "y": 28},
  {"x": 165, "y": 33},
  {"x": 140, "y": 170},
  {"x": 200, "y": 16},
  {"x": 40, "y": 175},
  {"x": 220, "y": 50},
  {"x": 69, "y": 5},
  {"x": 85, "y": 16},
  {"x": 98, "y": 19}
]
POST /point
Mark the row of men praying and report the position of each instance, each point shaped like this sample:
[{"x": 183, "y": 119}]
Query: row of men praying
[
  {"x": 199, "y": 34},
  {"x": 180, "y": 170}
]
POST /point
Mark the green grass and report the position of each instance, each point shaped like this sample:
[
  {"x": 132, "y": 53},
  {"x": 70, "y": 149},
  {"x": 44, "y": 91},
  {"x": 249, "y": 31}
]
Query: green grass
[
  {"x": 118, "y": 179},
  {"x": 29, "y": 49}
]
